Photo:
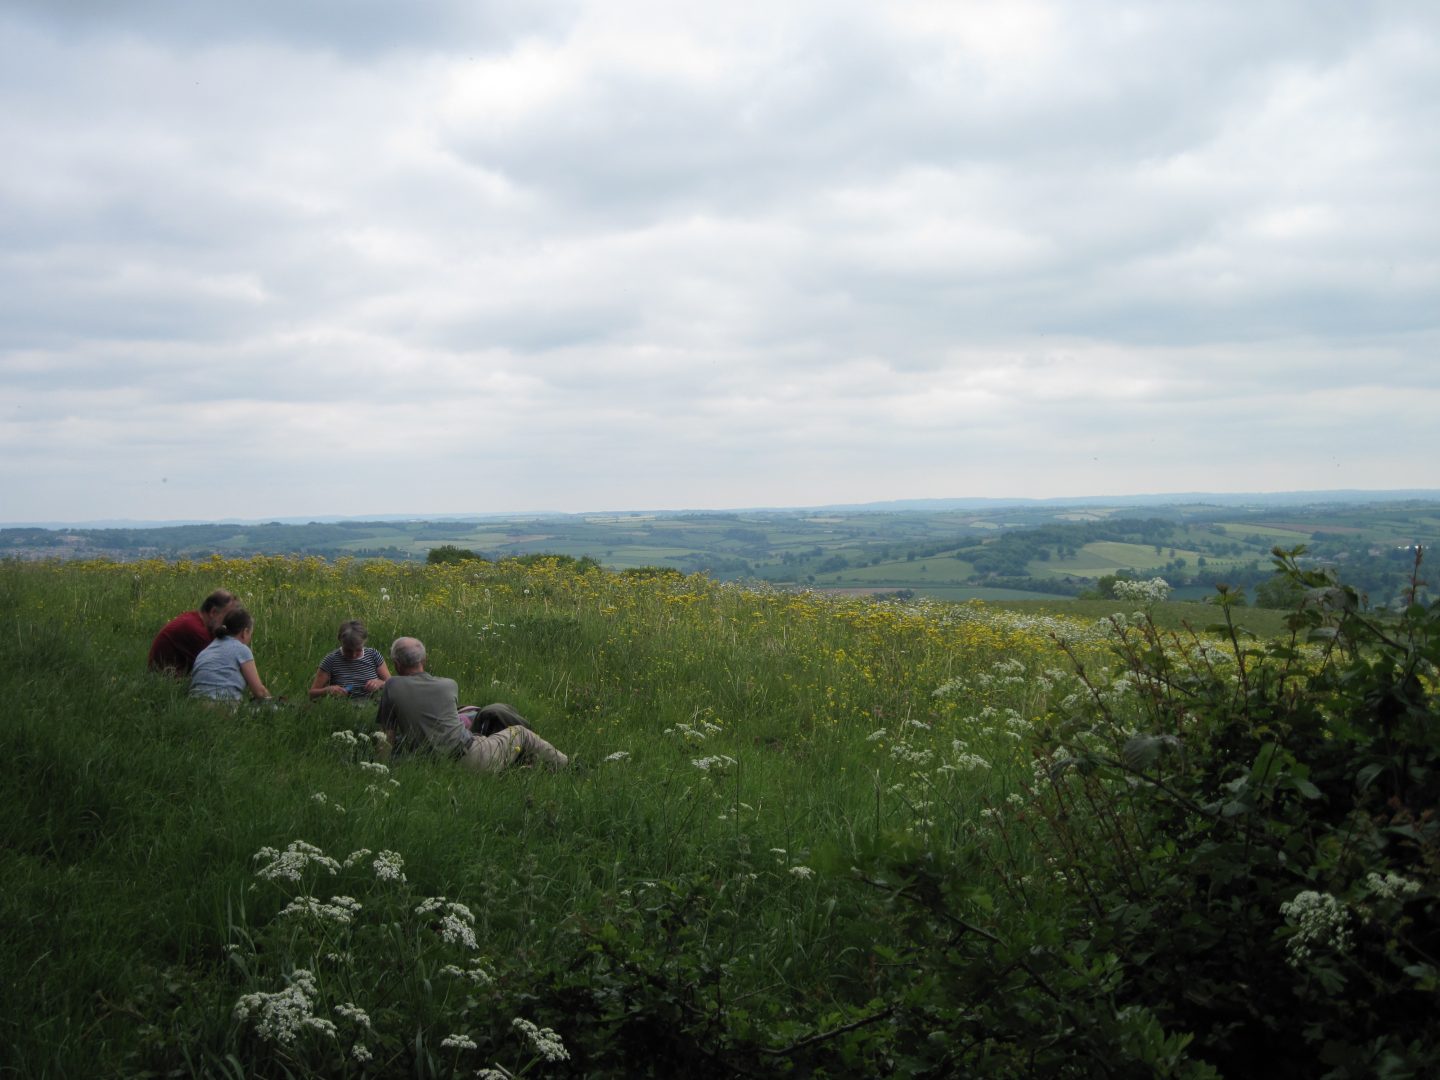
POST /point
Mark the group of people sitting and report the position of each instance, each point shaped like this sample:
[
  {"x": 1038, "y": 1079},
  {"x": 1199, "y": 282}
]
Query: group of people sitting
[{"x": 417, "y": 710}]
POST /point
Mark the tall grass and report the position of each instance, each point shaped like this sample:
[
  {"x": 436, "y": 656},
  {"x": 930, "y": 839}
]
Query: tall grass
[{"x": 735, "y": 749}]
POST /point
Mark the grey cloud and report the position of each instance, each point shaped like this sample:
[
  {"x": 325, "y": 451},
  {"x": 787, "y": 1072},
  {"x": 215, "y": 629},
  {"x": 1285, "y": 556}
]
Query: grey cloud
[
  {"x": 712, "y": 257},
  {"x": 362, "y": 28}
]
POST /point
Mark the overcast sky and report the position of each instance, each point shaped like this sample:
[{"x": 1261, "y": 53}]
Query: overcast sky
[{"x": 343, "y": 257}]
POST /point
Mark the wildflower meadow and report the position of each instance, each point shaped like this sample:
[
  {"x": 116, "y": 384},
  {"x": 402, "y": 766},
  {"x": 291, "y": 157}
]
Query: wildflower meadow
[{"x": 801, "y": 835}]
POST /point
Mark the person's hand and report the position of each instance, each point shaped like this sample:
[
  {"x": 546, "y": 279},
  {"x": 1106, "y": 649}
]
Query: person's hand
[
  {"x": 372, "y": 685},
  {"x": 336, "y": 691}
]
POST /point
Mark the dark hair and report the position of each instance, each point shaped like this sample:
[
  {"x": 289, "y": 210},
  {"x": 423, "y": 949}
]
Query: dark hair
[
  {"x": 218, "y": 599},
  {"x": 237, "y": 621},
  {"x": 353, "y": 634}
]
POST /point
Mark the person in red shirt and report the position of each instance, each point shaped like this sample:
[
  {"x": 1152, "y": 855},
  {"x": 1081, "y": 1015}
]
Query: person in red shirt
[{"x": 181, "y": 639}]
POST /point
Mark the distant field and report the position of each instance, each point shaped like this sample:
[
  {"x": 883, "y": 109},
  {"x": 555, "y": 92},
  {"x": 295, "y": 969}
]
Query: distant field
[
  {"x": 919, "y": 572},
  {"x": 1243, "y": 529},
  {"x": 1106, "y": 557}
]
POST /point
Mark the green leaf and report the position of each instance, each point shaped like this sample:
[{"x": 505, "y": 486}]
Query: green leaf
[
  {"x": 1366, "y": 776},
  {"x": 1305, "y": 787}
]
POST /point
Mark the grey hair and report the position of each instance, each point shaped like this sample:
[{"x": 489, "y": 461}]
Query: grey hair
[
  {"x": 407, "y": 652},
  {"x": 353, "y": 634}
]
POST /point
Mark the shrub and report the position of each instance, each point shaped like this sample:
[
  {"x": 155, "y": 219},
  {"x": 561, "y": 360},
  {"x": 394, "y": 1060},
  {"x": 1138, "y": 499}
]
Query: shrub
[
  {"x": 449, "y": 553},
  {"x": 1250, "y": 834}
]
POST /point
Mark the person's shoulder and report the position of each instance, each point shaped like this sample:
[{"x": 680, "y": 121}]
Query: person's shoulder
[
  {"x": 232, "y": 645},
  {"x": 186, "y": 620}
]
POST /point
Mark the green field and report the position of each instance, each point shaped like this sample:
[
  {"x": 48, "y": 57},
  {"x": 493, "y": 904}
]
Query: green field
[{"x": 805, "y": 835}]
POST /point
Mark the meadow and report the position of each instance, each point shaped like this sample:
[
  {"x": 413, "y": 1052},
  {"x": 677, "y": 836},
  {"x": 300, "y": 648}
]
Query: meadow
[{"x": 790, "y": 843}]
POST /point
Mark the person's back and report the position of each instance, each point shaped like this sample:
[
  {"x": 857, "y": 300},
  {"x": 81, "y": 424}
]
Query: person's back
[
  {"x": 178, "y": 643},
  {"x": 217, "y": 672},
  {"x": 423, "y": 710},
  {"x": 184, "y": 637},
  {"x": 419, "y": 710},
  {"x": 226, "y": 667}
]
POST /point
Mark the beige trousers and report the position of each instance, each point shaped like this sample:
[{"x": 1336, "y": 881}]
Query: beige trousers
[{"x": 491, "y": 753}]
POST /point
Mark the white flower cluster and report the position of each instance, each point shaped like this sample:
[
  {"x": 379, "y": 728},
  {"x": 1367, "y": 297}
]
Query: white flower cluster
[
  {"x": 618, "y": 755},
  {"x": 695, "y": 733},
  {"x": 546, "y": 1043},
  {"x": 356, "y": 857},
  {"x": 291, "y": 864},
  {"x": 374, "y": 767},
  {"x": 455, "y": 923},
  {"x": 354, "y": 1014},
  {"x": 281, "y": 1017},
  {"x": 966, "y": 762},
  {"x": 351, "y": 739},
  {"x": 909, "y": 755},
  {"x": 1392, "y": 886},
  {"x": 458, "y": 1042},
  {"x": 1007, "y": 672},
  {"x": 341, "y": 910},
  {"x": 715, "y": 763},
  {"x": 950, "y": 686},
  {"x": 475, "y": 974},
  {"x": 1320, "y": 919},
  {"x": 389, "y": 866},
  {"x": 1144, "y": 592},
  {"x": 802, "y": 872}
]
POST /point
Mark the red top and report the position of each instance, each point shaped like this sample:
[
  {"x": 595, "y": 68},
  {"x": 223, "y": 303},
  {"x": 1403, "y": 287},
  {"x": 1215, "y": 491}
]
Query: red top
[{"x": 179, "y": 642}]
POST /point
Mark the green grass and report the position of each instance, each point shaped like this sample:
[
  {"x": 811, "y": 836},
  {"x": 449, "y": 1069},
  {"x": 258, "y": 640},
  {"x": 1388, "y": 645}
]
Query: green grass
[
  {"x": 1264, "y": 623},
  {"x": 611, "y": 902}
]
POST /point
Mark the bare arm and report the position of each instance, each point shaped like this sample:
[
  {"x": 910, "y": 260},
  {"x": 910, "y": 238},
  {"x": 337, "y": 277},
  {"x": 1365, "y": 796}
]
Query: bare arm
[
  {"x": 322, "y": 686},
  {"x": 378, "y": 683},
  {"x": 252, "y": 680}
]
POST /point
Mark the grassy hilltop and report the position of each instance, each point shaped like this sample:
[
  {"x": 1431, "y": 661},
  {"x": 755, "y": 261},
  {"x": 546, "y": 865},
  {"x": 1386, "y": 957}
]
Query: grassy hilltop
[{"x": 807, "y": 835}]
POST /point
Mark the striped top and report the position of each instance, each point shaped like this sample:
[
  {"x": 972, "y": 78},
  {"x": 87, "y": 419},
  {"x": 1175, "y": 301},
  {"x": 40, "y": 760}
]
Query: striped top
[{"x": 353, "y": 674}]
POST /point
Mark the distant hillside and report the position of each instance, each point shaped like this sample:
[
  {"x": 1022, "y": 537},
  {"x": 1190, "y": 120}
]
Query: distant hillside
[
  {"x": 1256, "y": 499},
  {"x": 946, "y": 549}
]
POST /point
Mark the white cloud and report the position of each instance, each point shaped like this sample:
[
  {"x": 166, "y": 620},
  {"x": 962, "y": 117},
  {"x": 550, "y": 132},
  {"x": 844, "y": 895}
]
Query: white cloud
[{"x": 578, "y": 255}]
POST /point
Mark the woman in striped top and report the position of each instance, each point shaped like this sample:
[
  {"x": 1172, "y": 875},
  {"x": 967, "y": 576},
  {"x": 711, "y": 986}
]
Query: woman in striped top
[{"x": 354, "y": 670}]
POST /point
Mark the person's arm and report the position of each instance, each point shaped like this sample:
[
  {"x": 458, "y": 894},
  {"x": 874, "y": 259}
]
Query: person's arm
[
  {"x": 322, "y": 686},
  {"x": 252, "y": 680},
  {"x": 382, "y": 676}
]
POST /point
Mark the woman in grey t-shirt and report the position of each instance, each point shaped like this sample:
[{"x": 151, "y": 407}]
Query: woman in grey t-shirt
[{"x": 226, "y": 667}]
